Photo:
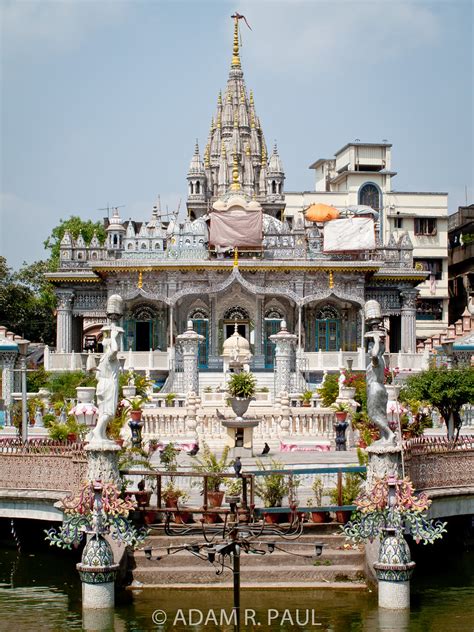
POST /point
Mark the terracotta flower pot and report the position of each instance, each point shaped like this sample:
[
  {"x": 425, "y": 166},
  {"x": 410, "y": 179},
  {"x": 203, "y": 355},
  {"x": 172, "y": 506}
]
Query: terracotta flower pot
[
  {"x": 215, "y": 499},
  {"x": 320, "y": 516},
  {"x": 341, "y": 415},
  {"x": 272, "y": 518},
  {"x": 143, "y": 498},
  {"x": 343, "y": 516},
  {"x": 136, "y": 415}
]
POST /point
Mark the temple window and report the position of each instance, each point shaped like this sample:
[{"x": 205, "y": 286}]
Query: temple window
[{"x": 369, "y": 195}]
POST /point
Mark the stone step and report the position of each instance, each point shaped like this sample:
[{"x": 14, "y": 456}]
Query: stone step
[
  {"x": 251, "y": 575},
  {"x": 330, "y": 540},
  {"x": 300, "y": 556}
]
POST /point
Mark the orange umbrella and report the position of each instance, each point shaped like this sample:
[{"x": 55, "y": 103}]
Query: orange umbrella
[{"x": 321, "y": 213}]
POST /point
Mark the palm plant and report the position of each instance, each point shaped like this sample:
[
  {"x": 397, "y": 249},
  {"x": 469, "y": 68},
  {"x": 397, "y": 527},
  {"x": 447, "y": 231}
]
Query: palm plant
[
  {"x": 208, "y": 463},
  {"x": 243, "y": 385}
]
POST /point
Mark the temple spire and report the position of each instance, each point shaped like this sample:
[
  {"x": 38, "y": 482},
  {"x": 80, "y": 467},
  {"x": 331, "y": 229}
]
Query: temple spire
[{"x": 235, "y": 50}]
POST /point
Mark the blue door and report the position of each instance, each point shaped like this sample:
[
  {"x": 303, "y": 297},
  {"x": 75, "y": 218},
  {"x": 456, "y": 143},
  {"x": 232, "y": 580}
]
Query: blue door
[
  {"x": 272, "y": 326},
  {"x": 327, "y": 334},
  {"x": 201, "y": 326}
]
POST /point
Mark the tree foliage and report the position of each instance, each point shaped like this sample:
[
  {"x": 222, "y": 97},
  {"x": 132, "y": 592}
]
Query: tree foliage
[
  {"x": 76, "y": 226},
  {"x": 27, "y": 301},
  {"x": 447, "y": 391}
]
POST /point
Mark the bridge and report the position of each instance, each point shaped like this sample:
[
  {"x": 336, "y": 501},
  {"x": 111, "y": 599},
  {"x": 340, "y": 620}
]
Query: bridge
[{"x": 35, "y": 475}]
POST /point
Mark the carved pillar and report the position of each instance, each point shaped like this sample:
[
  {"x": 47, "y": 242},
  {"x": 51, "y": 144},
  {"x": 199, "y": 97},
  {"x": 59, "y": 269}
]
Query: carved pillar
[
  {"x": 259, "y": 326},
  {"x": 408, "y": 313},
  {"x": 7, "y": 358},
  {"x": 213, "y": 327},
  {"x": 189, "y": 345},
  {"x": 64, "y": 321},
  {"x": 284, "y": 345}
]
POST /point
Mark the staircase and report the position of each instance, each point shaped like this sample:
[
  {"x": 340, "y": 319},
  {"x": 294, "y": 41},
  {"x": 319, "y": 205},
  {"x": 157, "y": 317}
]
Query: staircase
[{"x": 337, "y": 566}]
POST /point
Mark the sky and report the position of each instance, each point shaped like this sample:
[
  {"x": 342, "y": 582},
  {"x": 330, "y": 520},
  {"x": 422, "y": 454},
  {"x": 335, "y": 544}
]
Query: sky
[{"x": 102, "y": 102}]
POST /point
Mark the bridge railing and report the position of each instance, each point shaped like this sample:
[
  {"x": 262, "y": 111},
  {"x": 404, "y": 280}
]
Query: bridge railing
[
  {"x": 41, "y": 465},
  {"x": 440, "y": 463}
]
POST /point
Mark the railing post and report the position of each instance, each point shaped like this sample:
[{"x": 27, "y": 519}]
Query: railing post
[
  {"x": 244, "y": 492},
  {"x": 339, "y": 488},
  {"x": 205, "y": 492},
  {"x": 158, "y": 491}
]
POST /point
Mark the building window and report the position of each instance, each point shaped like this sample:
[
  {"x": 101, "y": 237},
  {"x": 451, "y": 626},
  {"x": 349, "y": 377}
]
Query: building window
[
  {"x": 369, "y": 195},
  {"x": 433, "y": 266},
  {"x": 429, "y": 309},
  {"x": 425, "y": 226},
  {"x": 398, "y": 222}
]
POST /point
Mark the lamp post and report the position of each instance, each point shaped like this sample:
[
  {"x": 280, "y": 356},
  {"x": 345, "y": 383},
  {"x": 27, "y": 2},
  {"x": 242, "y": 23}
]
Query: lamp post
[
  {"x": 448, "y": 351},
  {"x": 23, "y": 350}
]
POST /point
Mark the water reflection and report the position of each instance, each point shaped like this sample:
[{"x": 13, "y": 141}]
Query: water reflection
[{"x": 44, "y": 591}]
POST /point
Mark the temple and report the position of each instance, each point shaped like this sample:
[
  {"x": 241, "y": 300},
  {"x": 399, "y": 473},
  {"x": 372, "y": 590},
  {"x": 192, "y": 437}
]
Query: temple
[{"x": 239, "y": 259}]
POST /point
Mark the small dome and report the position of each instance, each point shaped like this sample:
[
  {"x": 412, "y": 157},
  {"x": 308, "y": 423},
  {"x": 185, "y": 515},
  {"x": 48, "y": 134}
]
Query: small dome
[
  {"x": 236, "y": 346},
  {"x": 321, "y": 213}
]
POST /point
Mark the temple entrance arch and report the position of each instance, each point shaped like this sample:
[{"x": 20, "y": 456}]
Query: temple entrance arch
[
  {"x": 327, "y": 329},
  {"x": 240, "y": 316},
  {"x": 145, "y": 327}
]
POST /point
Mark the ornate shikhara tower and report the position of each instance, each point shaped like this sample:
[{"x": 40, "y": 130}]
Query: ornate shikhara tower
[{"x": 235, "y": 155}]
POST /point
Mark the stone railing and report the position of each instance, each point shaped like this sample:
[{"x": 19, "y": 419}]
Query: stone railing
[
  {"x": 308, "y": 422},
  {"x": 439, "y": 463},
  {"x": 162, "y": 360},
  {"x": 41, "y": 465}
]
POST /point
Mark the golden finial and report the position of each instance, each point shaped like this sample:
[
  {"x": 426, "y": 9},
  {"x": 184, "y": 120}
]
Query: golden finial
[
  {"x": 229, "y": 97},
  {"x": 331, "y": 279},
  {"x": 236, "y": 118},
  {"x": 207, "y": 152},
  {"x": 235, "y": 49},
  {"x": 247, "y": 149},
  {"x": 213, "y": 124},
  {"x": 219, "y": 98},
  {"x": 235, "y": 186},
  {"x": 251, "y": 97},
  {"x": 219, "y": 120},
  {"x": 140, "y": 280},
  {"x": 264, "y": 154},
  {"x": 236, "y": 257},
  {"x": 242, "y": 97}
]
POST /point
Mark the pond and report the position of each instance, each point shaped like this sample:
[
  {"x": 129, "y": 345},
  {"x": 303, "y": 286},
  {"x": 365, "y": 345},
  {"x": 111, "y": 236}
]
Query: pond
[{"x": 41, "y": 591}]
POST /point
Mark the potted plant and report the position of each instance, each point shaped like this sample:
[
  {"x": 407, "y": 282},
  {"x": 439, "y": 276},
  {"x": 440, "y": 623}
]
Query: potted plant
[
  {"x": 350, "y": 490},
  {"x": 233, "y": 488},
  {"x": 273, "y": 487},
  {"x": 169, "y": 399},
  {"x": 306, "y": 398},
  {"x": 134, "y": 406},
  {"x": 341, "y": 410},
  {"x": 208, "y": 463},
  {"x": 317, "y": 489},
  {"x": 241, "y": 388}
]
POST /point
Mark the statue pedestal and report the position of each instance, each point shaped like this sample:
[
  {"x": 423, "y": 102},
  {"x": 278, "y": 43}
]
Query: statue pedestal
[
  {"x": 102, "y": 462},
  {"x": 384, "y": 460},
  {"x": 240, "y": 436}
]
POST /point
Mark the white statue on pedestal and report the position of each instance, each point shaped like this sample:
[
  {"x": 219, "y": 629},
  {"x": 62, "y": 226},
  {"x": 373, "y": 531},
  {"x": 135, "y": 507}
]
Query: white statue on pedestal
[{"x": 108, "y": 372}]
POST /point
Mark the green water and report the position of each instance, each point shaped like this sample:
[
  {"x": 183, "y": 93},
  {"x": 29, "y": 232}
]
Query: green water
[{"x": 41, "y": 591}]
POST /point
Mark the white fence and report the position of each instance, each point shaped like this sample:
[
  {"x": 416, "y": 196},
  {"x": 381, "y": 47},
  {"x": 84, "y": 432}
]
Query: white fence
[
  {"x": 161, "y": 360},
  {"x": 171, "y": 424}
]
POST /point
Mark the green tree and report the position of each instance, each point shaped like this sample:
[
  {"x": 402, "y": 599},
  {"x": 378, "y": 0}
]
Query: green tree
[
  {"x": 76, "y": 226},
  {"x": 447, "y": 391},
  {"x": 27, "y": 302}
]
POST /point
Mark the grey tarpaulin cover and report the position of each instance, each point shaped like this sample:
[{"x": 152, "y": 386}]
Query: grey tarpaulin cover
[
  {"x": 237, "y": 227},
  {"x": 353, "y": 233}
]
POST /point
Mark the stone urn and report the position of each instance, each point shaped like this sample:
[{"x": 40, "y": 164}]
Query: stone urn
[
  {"x": 85, "y": 411},
  {"x": 85, "y": 394},
  {"x": 129, "y": 391},
  {"x": 240, "y": 405}
]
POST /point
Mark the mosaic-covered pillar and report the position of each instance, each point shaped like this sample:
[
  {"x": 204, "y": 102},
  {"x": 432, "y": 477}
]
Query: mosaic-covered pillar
[
  {"x": 408, "y": 327},
  {"x": 189, "y": 343},
  {"x": 64, "y": 321},
  {"x": 284, "y": 346},
  {"x": 7, "y": 361}
]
